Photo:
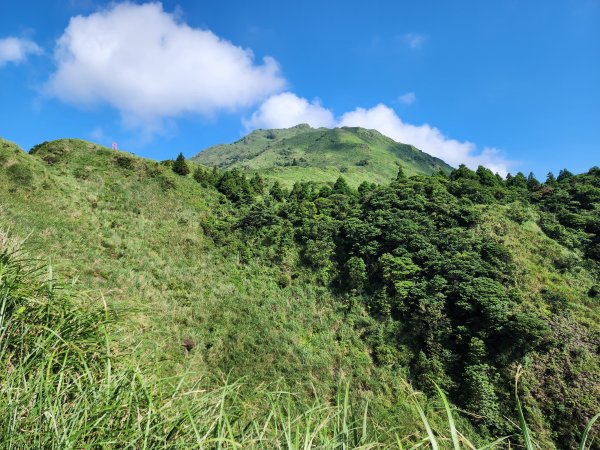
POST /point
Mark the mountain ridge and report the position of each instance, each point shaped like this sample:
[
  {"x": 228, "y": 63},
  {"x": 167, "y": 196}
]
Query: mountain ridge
[{"x": 321, "y": 155}]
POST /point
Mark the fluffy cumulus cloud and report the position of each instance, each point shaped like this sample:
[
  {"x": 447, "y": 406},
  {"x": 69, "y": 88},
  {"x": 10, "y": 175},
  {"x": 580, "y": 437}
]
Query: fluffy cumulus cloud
[
  {"x": 148, "y": 65},
  {"x": 287, "y": 109},
  {"x": 15, "y": 50}
]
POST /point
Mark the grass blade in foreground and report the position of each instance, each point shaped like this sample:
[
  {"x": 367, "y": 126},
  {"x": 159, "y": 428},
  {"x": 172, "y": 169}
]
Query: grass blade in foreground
[{"x": 587, "y": 431}]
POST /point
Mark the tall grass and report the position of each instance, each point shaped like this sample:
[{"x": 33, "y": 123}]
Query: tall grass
[{"x": 62, "y": 387}]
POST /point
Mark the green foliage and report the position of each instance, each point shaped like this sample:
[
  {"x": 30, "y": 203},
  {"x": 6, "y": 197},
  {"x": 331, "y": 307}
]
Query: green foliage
[
  {"x": 277, "y": 192},
  {"x": 66, "y": 386},
  {"x": 180, "y": 167},
  {"x": 341, "y": 187},
  {"x": 357, "y": 274},
  {"x": 400, "y": 175}
]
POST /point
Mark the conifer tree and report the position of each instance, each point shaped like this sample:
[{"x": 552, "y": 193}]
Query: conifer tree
[
  {"x": 532, "y": 182},
  {"x": 202, "y": 176},
  {"x": 277, "y": 192},
  {"x": 341, "y": 187},
  {"x": 401, "y": 175},
  {"x": 563, "y": 175},
  {"x": 180, "y": 167}
]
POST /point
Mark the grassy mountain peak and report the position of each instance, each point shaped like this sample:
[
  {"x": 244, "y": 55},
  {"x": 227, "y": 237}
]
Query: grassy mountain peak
[{"x": 322, "y": 155}]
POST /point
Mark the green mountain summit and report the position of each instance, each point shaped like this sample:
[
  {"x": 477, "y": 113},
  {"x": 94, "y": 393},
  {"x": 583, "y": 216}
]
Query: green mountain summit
[{"x": 322, "y": 155}]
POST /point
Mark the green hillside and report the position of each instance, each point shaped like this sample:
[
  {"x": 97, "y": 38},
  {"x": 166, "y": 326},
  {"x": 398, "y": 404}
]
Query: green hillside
[
  {"x": 303, "y": 153},
  {"x": 145, "y": 309}
]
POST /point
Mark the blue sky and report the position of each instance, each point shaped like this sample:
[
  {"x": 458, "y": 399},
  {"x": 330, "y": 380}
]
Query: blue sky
[{"x": 514, "y": 85}]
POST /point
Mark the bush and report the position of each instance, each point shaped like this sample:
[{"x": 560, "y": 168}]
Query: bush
[
  {"x": 20, "y": 174},
  {"x": 124, "y": 162}
]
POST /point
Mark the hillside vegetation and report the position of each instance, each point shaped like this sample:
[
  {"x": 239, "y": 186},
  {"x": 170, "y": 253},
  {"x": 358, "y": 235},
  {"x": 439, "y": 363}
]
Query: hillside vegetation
[
  {"x": 308, "y": 315},
  {"x": 303, "y": 153}
]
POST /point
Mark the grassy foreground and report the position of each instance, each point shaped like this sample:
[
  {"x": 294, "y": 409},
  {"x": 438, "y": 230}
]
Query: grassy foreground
[{"x": 63, "y": 387}]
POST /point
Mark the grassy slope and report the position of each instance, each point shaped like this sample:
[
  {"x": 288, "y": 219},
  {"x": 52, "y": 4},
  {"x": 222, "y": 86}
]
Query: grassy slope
[
  {"x": 135, "y": 235},
  {"x": 322, "y": 155},
  {"x": 553, "y": 277},
  {"x": 63, "y": 387}
]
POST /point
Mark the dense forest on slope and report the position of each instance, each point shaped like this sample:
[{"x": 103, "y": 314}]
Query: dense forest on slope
[
  {"x": 464, "y": 276},
  {"x": 302, "y": 153},
  {"x": 452, "y": 280}
]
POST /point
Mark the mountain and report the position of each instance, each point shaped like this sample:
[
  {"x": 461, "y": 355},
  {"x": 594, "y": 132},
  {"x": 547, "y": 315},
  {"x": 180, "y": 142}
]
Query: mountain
[
  {"x": 165, "y": 311},
  {"x": 309, "y": 154}
]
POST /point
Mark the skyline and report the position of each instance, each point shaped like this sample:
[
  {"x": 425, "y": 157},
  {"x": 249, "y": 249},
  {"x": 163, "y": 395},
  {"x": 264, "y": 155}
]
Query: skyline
[{"x": 515, "y": 87}]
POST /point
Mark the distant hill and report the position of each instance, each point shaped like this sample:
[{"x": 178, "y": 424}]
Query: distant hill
[{"x": 322, "y": 154}]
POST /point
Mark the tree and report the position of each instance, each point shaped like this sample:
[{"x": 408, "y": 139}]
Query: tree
[
  {"x": 341, "y": 187},
  {"x": 234, "y": 185},
  {"x": 550, "y": 179},
  {"x": 564, "y": 175},
  {"x": 366, "y": 187},
  {"x": 532, "y": 182},
  {"x": 463, "y": 172},
  {"x": 486, "y": 176},
  {"x": 277, "y": 192},
  {"x": 202, "y": 176},
  {"x": 357, "y": 273},
  {"x": 180, "y": 167},
  {"x": 519, "y": 181},
  {"x": 401, "y": 175},
  {"x": 257, "y": 184}
]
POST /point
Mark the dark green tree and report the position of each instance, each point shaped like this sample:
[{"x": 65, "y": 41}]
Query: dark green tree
[
  {"x": 257, "y": 183},
  {"x": 400, "y": 175},
  {"x": 463, "y": 172},
  {"x": 550, "y": 179},
  {"x": 519, "y": 181},
  {"x": 486, "y": 176},
  {"x": 564, "y": 175},
  {"x": 277, "y": 192},
  {"x": 202, "y": 176},
  {"x": 341, "y": 187},
  {"x": 180, "y": 167},
  {"x": 532, "y": 182}
]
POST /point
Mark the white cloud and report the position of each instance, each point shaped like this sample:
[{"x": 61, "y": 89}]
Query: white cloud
[
  {"x": 408, "y": 98},
  {"x": 425, "y": 137},
  {"x": 148, "y": 65},
  {"x": 414, "y": 40},
  {"x": 286, "y": 110},
  {"x": 16, "y": 50}
]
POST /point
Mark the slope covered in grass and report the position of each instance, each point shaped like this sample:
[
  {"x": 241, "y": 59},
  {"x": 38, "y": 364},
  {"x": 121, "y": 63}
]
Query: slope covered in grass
[
  {"x": 303, "y": 153},
  {"x": 64, "y": 387},
  {"x": 131, "y": 230}
]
